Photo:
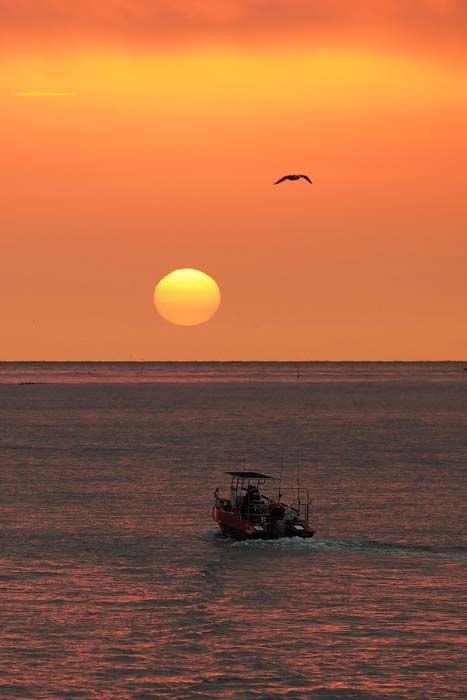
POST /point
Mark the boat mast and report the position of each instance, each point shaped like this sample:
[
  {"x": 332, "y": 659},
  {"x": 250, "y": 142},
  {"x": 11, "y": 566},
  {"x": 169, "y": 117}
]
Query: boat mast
[
  {"x": 279, "y": 494},
  {"x": 298, "y": 485}
]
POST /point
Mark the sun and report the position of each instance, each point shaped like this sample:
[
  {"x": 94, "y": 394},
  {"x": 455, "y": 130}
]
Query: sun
[{"x": 187, "y": 297}]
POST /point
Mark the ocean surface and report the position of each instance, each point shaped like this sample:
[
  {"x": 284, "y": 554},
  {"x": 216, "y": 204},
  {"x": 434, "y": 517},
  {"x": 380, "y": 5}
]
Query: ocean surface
[{"x": 116, "y": 584}]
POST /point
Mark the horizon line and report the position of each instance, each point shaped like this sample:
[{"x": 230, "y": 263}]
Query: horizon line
[{"x": 131, "y": 361}]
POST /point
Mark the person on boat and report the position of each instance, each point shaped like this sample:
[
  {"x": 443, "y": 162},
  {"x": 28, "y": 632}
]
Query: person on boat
[
  {"x": 252, "y": 499},
  {"x": 233, "y": 497}
]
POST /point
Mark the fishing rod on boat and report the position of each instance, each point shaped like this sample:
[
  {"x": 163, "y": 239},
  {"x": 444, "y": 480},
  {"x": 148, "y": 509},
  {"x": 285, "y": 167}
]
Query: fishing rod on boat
[
  {"x": 279, "y": 494},
  {"x": 298, "y": 485},
  {"x": 307, "y": 509}
]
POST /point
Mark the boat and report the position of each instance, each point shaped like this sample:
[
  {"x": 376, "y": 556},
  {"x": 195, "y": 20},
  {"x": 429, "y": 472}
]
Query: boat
[{"x": 249, "y": 514}]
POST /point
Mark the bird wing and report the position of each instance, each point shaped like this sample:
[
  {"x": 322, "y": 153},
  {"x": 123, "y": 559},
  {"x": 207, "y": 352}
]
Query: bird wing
[
  {"x": 305, "y": 177},
  {"x": 285, "y": 177}
]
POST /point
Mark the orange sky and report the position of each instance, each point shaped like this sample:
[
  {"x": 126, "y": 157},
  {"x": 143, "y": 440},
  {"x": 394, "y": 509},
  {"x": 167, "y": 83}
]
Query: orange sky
[{"x": 137, "y": 140}]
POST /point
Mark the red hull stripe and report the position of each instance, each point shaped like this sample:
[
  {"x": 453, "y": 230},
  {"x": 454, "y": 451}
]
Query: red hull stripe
[{"x": 231, "y": 520}]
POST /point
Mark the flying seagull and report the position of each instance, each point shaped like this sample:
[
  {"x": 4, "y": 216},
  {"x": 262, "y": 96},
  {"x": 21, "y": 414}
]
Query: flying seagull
[{"x": 293, "y": 177}]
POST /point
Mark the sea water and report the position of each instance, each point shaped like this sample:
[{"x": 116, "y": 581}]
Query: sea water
[{"x": 115, "y": 583}]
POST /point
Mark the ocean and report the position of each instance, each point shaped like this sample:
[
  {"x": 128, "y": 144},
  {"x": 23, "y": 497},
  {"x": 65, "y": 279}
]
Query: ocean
[{"x": 116, "y": 584}]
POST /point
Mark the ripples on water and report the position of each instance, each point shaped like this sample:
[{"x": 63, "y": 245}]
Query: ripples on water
[
  {"x": 115, "y": 584},
  {"x": 199, "y": 372}
]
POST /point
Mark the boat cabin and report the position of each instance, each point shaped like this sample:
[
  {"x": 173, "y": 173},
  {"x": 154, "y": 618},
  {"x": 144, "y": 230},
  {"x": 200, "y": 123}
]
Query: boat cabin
[{"x": 250, "y": 513}]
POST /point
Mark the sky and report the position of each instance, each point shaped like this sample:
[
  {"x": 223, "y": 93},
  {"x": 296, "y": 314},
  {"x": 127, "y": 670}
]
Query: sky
[{"x": 138, "y": 137}]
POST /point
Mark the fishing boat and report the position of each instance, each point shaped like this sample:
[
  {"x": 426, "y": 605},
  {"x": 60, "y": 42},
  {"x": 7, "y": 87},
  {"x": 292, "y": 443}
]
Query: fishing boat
[{"x": 248, "y": 513}]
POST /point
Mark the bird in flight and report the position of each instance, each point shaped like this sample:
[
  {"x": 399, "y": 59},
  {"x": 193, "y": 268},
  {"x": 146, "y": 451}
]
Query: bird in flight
[{"x": 293, "y": 177}]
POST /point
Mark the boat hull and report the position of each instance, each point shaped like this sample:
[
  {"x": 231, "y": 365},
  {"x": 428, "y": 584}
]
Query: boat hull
[{"x": 233, "y": 525}]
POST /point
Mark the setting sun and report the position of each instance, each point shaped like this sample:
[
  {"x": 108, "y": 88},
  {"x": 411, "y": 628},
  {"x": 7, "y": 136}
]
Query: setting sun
[{"x": 187, "y": 297}]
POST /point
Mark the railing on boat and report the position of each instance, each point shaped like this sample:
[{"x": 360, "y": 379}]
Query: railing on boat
[{"x": 261, "y": 512}]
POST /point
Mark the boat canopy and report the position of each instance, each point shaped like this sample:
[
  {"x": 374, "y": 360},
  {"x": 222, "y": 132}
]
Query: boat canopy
[{"x": 249, "y": 475}]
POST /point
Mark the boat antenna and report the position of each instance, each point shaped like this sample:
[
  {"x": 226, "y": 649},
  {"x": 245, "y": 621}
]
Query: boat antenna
[
  {"x": 298, "y": 484},
  {"x": 279, "y": 495}
]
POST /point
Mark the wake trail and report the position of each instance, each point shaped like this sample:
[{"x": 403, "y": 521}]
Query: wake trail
[{"x": 351, "y": 546}]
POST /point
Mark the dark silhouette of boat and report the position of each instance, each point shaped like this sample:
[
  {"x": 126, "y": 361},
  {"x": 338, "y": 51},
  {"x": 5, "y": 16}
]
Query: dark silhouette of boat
[{"x": 249, "y": 514}]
